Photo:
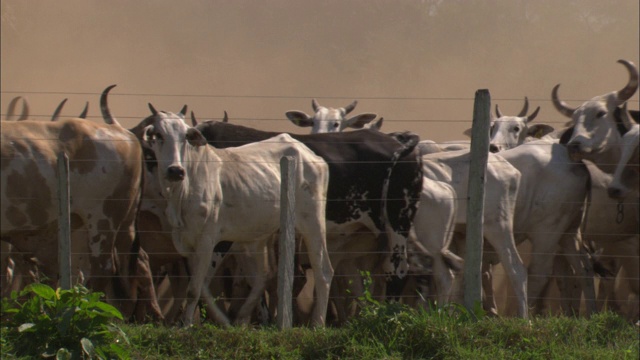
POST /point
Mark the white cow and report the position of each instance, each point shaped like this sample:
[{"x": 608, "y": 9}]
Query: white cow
[
  {"x": 509, "y": 131},
  {"x": 233, "y": 195},
  {"x": 328, "y": 120},
  {"x": 595, "y": 136},
  {"x": 549, "y": 212},
  {"x": 501, "y": 190}
]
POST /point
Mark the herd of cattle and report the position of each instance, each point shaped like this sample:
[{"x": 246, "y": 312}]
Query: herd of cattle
[{"x": 168, "y": 217}]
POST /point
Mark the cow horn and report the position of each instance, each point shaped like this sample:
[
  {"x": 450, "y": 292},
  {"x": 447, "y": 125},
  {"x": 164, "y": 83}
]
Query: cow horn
[
  {"x": 560, "y": 105},
  {"x": 56, "y": 113},
  {"x": 627, "y": 92},
  {"x": 194, "y": 122},
  {"x": 83, "y": 114},
  {"x": 498, "y": 112},
  {"x": 315, "y": 105},
  {"x": 626, "y": 117},
  {"x": 183, "y": 111},
  {"x": 104, "y": 108},
  {"x": 349, "y": 108},
  {"x": 226, "y": 117},
  {"x": 25, "y": 110},
  {"x": 11, "y": 109},
  {"x": 153, "y": 110},
  {"x": 533, "y": 115},
  {"x": 525, "y": 108}
]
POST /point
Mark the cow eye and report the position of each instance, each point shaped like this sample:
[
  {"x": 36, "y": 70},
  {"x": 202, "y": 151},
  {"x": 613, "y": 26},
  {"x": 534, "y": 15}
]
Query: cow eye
[
  {"x": 516, "y": 129},
  {"x": 601, "y": 114},
  {"x": 335, "y": 125}
]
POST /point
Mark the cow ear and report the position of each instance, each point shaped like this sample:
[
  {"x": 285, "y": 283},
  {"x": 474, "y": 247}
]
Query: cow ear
[
  {"x": 358, "y": 121},
  {"x": 195, "y": 137},
  {"x": 539, "y": 130},
  {"x": 377, "y": 125},
  {"x": 299, "y": 118}
]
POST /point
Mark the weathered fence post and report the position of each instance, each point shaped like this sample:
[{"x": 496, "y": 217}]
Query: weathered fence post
[
  {"x": 287, "y": 242},
  {"x": 64, "y": 223},
  {"x": 475, "y": 208}
]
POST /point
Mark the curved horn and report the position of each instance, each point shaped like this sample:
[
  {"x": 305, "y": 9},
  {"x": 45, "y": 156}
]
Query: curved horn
[
  {"x": 315, "y": 105},
  {"x": 104, "y": 108},
  {"x": 349, "y": 108},
  {"x": 226, "y": 117},
  {"x": 25, "y": 110},
  {"x": 153, "y": 110},
  {"x": 533, "y": 115},
  {"x": 194, "y": 122},
  {"x": 627, "y": 92},
  {"x": 83, "y": 114},
  {"x": 56, "y": 113},
  {"x": 560, "y": 105},
  {"x": 525, "y": 108},
  {"x": 11, "y": 109},
  {"x": 498, "y": 112},
  {"x": 183, "y": 111},
  {"x": 626, "y": 117}
]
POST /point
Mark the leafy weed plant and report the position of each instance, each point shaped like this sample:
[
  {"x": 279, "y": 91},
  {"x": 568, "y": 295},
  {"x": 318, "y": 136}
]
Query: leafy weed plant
[{"x": 67, "y": 324}]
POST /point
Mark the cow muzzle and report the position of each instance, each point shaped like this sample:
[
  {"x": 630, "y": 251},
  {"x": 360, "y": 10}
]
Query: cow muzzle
[
  {"x": 175, "y": 173},
  {"x": 575, "y": 151},
  {"x": 616, "y": 192}
]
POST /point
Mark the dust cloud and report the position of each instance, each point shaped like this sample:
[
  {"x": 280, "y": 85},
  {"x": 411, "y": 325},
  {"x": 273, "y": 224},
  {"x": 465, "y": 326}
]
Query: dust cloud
[{"x": 415, "y": 63}]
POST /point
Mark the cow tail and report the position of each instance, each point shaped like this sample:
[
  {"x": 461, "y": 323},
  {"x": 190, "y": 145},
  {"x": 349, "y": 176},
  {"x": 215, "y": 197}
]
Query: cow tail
[
  {"x": 134, "y": 252},
  {"x": 407, "y": 146}
]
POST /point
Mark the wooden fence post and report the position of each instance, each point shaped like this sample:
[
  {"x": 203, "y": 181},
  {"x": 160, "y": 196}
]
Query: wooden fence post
[
  {"x": 287, "y": 241},
  {"x": 64, "y": 223},
  {"x": 475, "y": 209}
]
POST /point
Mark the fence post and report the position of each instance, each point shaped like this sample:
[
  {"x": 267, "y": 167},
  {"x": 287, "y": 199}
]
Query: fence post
[
  {"x": 475, "y": 209},
  {"x": 64, "y": 223},
  {"x": 287, "y": 241}
]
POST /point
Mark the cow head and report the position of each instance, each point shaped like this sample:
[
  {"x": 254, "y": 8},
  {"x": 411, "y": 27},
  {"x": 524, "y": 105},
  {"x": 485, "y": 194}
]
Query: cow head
[
  {"x": 510, "y": 131},
  {"x": 168, "y": 135},
  {"x": 594, "y": 127},
  {"x": 328, "y": 120},
  {"x": 626, "y": 175}
]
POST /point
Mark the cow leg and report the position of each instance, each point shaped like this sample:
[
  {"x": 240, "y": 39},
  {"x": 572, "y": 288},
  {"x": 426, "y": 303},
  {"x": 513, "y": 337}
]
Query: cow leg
[
  {"x": 632, "y": 270},
  {"x": 500, "y": 236},
  {"x": 148, "y": 294},
  {"x": 434, "y": 225},
  {"x": 254, "y": 266},
  {"x": 570, "y": 291},
  {"x": 199, "y": 265},
  {"x": 579, "y": 260},
  {"x": 312, "y": 228}
]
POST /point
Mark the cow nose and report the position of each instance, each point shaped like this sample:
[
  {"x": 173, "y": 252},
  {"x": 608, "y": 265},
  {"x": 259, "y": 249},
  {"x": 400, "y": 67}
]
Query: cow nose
[
  {"x": 493, "y": 148},
  {"x": 175, "y": 173},
  {"x": 573, "y": 147}
]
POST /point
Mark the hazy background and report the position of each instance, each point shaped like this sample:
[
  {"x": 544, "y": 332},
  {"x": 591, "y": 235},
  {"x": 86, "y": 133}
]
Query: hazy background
[{"x": 416, "y": 63}]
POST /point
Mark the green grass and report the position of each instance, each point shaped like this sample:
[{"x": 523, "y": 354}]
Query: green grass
[{"x": 392, "y": 331}]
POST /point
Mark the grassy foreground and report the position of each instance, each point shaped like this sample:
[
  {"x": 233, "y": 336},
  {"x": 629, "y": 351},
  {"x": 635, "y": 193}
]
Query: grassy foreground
[{"x": 388, "y": 331}]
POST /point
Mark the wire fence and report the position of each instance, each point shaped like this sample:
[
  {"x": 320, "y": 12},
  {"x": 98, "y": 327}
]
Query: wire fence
[{"x": 373, "y": 272}]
